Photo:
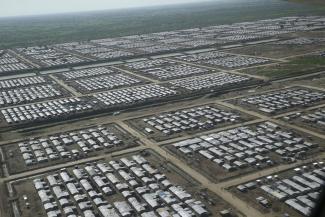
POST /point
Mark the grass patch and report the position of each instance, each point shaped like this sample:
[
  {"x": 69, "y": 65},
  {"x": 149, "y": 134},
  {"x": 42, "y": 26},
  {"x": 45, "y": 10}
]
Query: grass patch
[
  {"x": 280, "y": 51},
  {"x": 319, "y": 2},
  {"x": 295, "y": 67}
]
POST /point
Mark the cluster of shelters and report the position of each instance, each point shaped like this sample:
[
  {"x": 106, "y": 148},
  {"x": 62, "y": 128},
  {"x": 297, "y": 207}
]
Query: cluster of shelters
[
  {"x": 221, "y": 59},
  {"x": 49, "y": 56},
  {"x": 45, "y": 111},
  {"x": 195, "y": 118},
  {"x": 281, "y": 100},
  {"x": 120, "y": 188},
  {"x": 236, "y": 61},
  {"x": 239, "y": 36},
  {"x": 10, "y": 63},
  {"x": 74, "y": 144},
  {"x": 200, "y": 42},
  {"x": 134, "y": 95},
  {"x": 29, "y": 94},
  {"x": 209, "y": 82},
  {"x": 212, "y": 35},
  {"x": 174, "y": 70},
  {"x": 147, "y": 64},
  {"x": 159, "y": 48},
  {"x": 100, "y": 52},
  {"x": 269, "y": 32},
  {"x": 317, "y": 117},
  {"x": 84, "y": 73},
  {"x": 125, "y": 42},
  {"x": 105, "y": 82},
  {"x": 242, "y": 147},
  {"x": 165, "y": 42},
  {"x": 131, "y": 44},
  {"x": 202, "y": 56},
  {"x": 300, "y": 190},
  {"x": 22, "y": 82}
]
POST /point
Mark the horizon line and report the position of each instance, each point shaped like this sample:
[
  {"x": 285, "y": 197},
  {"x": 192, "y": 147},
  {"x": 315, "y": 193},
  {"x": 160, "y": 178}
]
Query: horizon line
[{"x": 109, "y": 9}]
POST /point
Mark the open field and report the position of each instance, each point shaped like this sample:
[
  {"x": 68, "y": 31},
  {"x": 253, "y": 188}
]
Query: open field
[
  {"x": 275, "y": 50},
  {"x": 296, "y": 66},
  {"x": 316, "y": 2}
]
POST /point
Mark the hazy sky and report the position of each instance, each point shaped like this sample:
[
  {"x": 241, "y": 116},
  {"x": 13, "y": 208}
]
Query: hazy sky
[{"x": 31, "y": 7}]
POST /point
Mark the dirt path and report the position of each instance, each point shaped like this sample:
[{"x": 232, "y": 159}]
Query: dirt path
[
  {"x": 69, "y": 164},
  {"x": 206, "y": 183},
  {"x": 276, "y": 121},
  {"x": 65, "y": 86},
  {"x": 136, "y": 75}
]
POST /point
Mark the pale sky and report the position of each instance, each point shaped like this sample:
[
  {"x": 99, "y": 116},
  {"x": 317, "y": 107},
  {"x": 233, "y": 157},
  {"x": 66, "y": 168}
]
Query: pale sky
[{"x": 35, "y": 7}]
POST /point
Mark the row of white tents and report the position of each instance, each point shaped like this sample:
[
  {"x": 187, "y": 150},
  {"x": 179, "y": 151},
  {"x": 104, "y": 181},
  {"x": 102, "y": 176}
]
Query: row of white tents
[
  {"x": 281, "y": 100},
  {"x": 300, "y": 189},
  {"x": 243, "y": 146},
  {"x": 73, "y": 144},
  {"x": 210, "y": 81},
  {"x": 21, "y": 82},
  {"x": 89, "y": 190},
  {"x": 202, "y": 117},
  {"x": 29, "y": 94}
]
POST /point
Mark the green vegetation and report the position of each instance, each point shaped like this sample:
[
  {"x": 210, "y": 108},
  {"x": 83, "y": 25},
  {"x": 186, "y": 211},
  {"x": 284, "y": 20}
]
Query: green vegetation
[
  {"x": 280, "y": 50},
  {"x": 320, "y": 2},
  {"x": 28, "y": 31},
  {"x": 295, "y": 67}
]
